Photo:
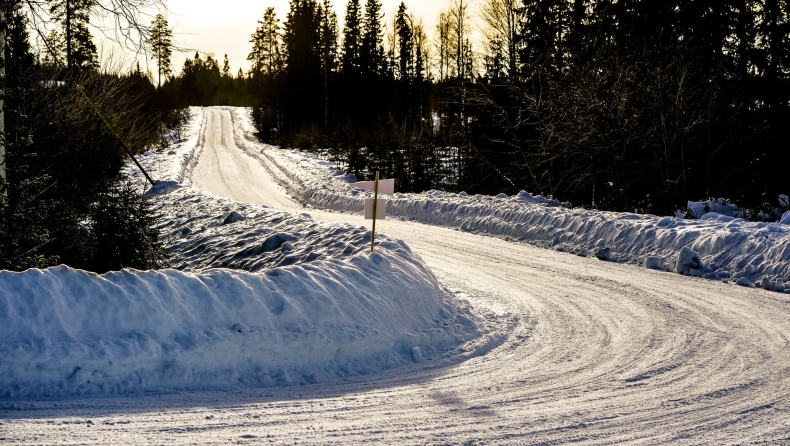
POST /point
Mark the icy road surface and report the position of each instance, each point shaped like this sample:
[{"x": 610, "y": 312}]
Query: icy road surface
[{"x": 600, "y": 353}]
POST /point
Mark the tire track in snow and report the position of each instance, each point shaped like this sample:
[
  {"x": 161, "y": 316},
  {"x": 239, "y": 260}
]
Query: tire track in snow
[{"x": 602, "y": 353}]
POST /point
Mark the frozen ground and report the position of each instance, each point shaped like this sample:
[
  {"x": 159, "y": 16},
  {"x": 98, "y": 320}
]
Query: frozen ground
[{"x": 596, "y": 352}]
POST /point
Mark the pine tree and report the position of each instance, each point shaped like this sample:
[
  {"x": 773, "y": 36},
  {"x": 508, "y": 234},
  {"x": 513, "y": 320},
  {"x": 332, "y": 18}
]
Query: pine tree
[
  {"x": 352, "y": 40},
  {"x": 161, "y": 43},
  {"x": 226, "y": 67},
  {"x": 74, "y": 16},
  {"x": 372, "y": 48},
  {"x": 266, "y": 55},
  {"x": 405, "y": 37}
]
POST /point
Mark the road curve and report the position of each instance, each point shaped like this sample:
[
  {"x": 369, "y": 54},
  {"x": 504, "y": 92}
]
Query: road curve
[{"x": 601, "y": 353}]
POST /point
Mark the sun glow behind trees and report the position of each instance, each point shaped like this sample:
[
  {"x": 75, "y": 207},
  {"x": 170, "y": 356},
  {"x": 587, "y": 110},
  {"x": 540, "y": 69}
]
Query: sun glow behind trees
[{"x": 199, "y": 25}]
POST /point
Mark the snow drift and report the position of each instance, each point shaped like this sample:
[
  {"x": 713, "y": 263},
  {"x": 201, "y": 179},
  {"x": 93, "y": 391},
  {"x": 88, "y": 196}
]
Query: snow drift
[
  {"x": 336, "y": 310},
  {"x": 72, "y": 332},
  {"x": 257, "y": 297},
  {"x": 730, "y": 247}
]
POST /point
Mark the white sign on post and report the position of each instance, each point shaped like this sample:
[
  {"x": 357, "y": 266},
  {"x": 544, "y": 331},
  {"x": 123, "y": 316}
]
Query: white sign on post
[
  {"x": 376, "y": 207},
  {"x": 381, "y": 207},
  {"x": 386, "y": 187}
]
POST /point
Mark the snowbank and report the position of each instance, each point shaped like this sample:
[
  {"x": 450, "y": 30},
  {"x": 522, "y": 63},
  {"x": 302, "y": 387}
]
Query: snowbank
[
  {"x": 729, "y": 246},
  {"x": 258, "y": 297},
  {"x": 336, "y": 310},
  {"x": 65, "y": 331},
  {"x": 699, "y": 209}
]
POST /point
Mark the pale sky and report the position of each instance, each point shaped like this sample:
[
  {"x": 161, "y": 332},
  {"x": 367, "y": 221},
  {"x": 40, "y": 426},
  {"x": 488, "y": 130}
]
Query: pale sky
[{"x": 225, "y": 26}]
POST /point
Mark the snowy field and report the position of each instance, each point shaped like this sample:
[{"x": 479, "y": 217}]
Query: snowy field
[{"x": 560, "y": 347}]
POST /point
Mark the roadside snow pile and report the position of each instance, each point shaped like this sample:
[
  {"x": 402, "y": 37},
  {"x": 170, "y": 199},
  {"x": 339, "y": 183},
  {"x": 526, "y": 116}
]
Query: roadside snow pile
[
  {"x": 209, "y": 232},
  {"x": 66, "y": 331},
  {"x": 259, "y": 297},
  {"x": 699, "y": 209},
  {"x": 728, "y": 246}
]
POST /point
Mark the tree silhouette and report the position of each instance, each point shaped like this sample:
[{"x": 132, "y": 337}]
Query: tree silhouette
[
  {"x": 74, "y": 16},
  {"x": 161, "y": 44}
]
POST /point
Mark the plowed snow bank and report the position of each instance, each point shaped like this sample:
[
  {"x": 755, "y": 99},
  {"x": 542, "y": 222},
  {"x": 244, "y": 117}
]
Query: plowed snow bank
[
  {"x": 258, "y": 297},
  {"x": 731, "y": 248}
]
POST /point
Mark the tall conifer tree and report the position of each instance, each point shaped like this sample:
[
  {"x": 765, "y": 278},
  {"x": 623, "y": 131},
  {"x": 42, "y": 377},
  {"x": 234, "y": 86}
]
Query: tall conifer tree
[
  {"x": 74, "y": 16},
  {"x": 372, "y": 48},
  {"x": 161, "y": 44},
  {"x": 352, "y": 39}
]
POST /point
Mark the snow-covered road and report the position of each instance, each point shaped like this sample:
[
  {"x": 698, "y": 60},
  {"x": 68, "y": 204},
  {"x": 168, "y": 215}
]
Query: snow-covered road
[{"x": 597, "y": 352}]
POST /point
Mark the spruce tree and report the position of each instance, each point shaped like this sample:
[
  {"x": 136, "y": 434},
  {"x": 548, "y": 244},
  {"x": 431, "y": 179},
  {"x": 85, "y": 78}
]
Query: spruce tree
[
  {"x": 352, "y": 40},
  {"x": 403, "y": 31},
  {"x": 304, "y": 84},
  {"x": 328, "y": 47},
  {"x": 161, "y": 43},
  {"x": 74, "y": 16},
  {"x": 54, "y": 49},
  {"x": 372, "y": 48}
]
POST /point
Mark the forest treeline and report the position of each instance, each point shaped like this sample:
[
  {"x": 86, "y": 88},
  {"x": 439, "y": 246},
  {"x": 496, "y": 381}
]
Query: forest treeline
[
  {"x": 62, "y": 197},
  {"x": 627, "y": 105}
]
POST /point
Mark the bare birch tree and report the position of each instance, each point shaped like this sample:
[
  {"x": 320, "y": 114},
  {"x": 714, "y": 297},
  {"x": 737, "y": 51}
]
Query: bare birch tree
[
  {"x": 128, "y": 21},
  {"x": 453, "y": 41},
  {"x": 500, "y": 29},
  {"x": 460, "y": 28},
  {"x": 442, "y": 44}
]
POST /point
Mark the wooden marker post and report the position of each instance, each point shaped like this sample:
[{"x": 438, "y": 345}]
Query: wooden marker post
[{"x": 375, "y": 204}]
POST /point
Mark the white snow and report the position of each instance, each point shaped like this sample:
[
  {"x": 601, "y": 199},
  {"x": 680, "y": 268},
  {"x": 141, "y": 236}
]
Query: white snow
[
  {"x": 592, "y": 352},
  {"x": 302, "y": 302},
  {"x": 699, "y": 209},
  {"x": 687, "y": 261},
  {"x": 258, "y": 297},
  {"x": 653, "y": 262},
  {"x": 67, "y": 331},
  {"x": 726, "y": 243},
  {"x": 174, "y": 166}
]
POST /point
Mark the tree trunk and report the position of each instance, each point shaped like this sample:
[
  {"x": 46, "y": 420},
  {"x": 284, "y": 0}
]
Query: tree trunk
[
  {"x": 68, "y": 34},
  {"x": 3, "y": 28},
  {"x": 743, "y": 24}
]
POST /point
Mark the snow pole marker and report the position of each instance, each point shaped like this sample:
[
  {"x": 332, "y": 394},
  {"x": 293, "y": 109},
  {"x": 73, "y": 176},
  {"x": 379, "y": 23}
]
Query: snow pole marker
[{"x": 375, "y": 203}]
